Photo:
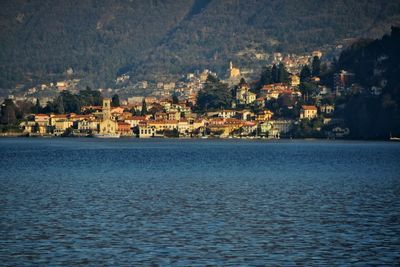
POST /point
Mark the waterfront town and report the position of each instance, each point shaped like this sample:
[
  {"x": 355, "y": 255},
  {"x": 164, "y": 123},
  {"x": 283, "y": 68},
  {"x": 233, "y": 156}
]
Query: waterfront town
[
  {"x": 294, "y": 96},
  {"x": 279, "y": 104}
]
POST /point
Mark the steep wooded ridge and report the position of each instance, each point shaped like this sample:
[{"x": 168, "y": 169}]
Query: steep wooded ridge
[
  {"x": 101, "y": 39},
  {"x": 374, "y": 63}
]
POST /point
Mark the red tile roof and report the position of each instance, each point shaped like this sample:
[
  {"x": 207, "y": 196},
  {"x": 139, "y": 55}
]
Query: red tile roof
[{"x": 306, "y": 107}]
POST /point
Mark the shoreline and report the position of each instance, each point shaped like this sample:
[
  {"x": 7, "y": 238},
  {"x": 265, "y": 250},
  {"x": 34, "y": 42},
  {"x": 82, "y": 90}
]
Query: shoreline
[{"x": 26, "y": 136}]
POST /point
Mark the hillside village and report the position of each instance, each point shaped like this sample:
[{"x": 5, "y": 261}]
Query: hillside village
[
  {"x": 355, "y": 96},
  {"x": 271, "y": 109}
]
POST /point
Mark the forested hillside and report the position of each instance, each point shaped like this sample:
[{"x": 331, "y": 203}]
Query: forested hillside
[
  {"x": 375, "y": 64},
  {"x": 99, "y": 39},
  {"x": 95, "y": 38}
]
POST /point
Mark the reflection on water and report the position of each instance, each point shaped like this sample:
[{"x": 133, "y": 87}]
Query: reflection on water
[{"x": 183, "y": 202}]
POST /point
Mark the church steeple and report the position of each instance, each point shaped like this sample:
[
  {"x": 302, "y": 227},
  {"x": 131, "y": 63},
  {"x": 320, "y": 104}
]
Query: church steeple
[{"x": 106, "y": 108}]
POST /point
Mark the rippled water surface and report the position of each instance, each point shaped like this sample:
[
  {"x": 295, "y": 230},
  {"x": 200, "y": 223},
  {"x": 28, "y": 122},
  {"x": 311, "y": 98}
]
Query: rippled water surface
[{"x": 136, "y": 202}]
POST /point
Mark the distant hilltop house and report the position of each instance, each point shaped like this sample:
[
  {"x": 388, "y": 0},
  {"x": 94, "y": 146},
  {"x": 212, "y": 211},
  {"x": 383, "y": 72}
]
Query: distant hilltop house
[
  {"x": 243, "y": 94},
  {"x": 294, "y": 80},
  {"x": 204, "y": 75},
  {"x": 308, "y": 112},
  {"x": 273, "y": 91},
  {"x": 317, "y": 53},
  {"x": 123, "y": 78},
  {"x": 327, "y": 109}
]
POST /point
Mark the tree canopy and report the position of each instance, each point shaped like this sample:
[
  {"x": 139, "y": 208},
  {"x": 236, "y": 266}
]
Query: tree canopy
[{"x": 215, "y": 95}]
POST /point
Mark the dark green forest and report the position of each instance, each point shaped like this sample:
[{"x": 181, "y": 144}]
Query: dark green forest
[
  {"x": 40, "y": 40},
  {"x": 374, "y": 63}
]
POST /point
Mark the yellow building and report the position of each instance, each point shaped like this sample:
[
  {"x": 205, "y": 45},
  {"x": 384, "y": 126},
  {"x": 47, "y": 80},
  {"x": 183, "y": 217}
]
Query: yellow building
[
  {"x": 264, "y": 115},
  {"x": 244, "y": 95},
  {"x": 308, "y": 112},
  {"x": 107, "y": 125},
  {"x": 61, "y": 126},
  {"x": 146, "y": 131},
  {"x": 294, "y": 80},
  {"x": 161, "y": 125},
  {"x": 233, "y": 72}
]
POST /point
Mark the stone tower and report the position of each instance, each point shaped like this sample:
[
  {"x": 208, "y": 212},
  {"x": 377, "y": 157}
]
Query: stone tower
[
  {"x": 107, "y": 125},
  {"x": 106, "y": 108}
]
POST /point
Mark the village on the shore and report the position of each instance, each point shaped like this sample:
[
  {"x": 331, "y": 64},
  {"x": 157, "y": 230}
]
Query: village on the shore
[{"x": 287, "y": 101}]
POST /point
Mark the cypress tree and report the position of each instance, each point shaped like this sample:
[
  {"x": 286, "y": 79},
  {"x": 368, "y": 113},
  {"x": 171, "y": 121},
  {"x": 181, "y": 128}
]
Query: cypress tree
[
  {"x": 316, "y": 66},
  {"x": 144, "y": 107}
]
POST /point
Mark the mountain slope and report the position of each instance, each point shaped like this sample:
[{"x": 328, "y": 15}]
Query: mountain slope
[
  {"x": 95, "y": 38},
  {"x": 226, "y": 28},
  {"x": 39, "y": 40}
]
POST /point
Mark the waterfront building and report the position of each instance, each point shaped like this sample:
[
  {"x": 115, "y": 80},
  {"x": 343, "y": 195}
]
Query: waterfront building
[
  {"x": 146, "y": 130},
  {"x": 107, "y": 125},
  {"x": 264, "y": 115},
  {"x": 124, "y": 129}
]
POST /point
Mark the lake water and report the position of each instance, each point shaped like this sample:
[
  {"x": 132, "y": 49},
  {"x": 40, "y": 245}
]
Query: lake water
[{"x": 133, "y": 202}]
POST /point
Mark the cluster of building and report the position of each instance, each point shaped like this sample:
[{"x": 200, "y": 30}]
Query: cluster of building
[
  {"x": 169, "y": 119},
  {"x": 294, "y": 62},
  {"x": 248, "y": 116},
  {"x": 174, "y": 120}
]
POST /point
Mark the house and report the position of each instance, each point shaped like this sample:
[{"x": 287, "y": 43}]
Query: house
[
  {"x": 248, "y": 127},
  {"x": 263, "y": 129},
  {"x": 232, "y": 124},
  {"x": 294, "y": 80},
  {"x": 226, "y": 113},
  {"x": 42, "y": 122},
  {"x": 124, "y": 129},
  {"x": 197, "y": 124},
  {"x": 243, "y": 94},
  {"x": 184, "y": 127},
  {"x": 375, "y": 90},
  {"x": 61, "y": 125},
  {"x": 117, "y": 110},
  {"x": 91, "y": 108},
  {"x": 42, "y": 119},
  {"x": 77, "y": 117},
  {"x": 283, "y": 126},
  {"x": 219, "y": 129},
  {"x": 173, "y": 115},
  {"x": 162, "y": 125},
  {"x": 245, "y": 115},
  {"x": 269, "y": 94},
  {"x": 145, "y": 130},
  {"x": 216, "y": 121},
  {"x": 308, "y": 112},
  {"x": 250, "y": 97},
  {"x": 125, "y": 115},
  {"x": 29, "y": 127},
  {"x": 134, "y": 120},
  {"x": 88, "y": 125},
  {"x": 264, "y": 115},
  {"x": 327, "y": 109},
  {"x": 340, "y": 132},
  {"x": 161, "y": 116},
  {"x": 260, "y": 102},
  {"x": 315, "y": 79},
  {"x": 54, "y": 118}
]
